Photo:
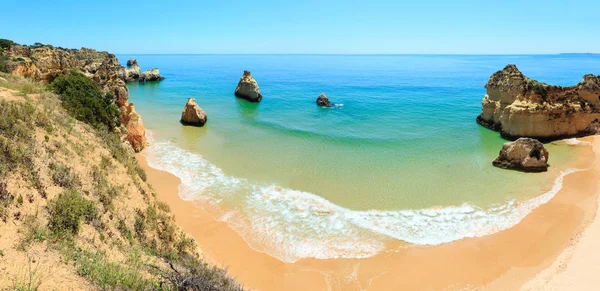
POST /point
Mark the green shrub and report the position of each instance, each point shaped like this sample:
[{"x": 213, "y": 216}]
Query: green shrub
[
  {"x": 538, "y": 88},
  {"x": 6, "y": 43},
  {"x": 62, "y": 175},
  {"x": 85, "y": 101},
  {"x": 18, "y": 60},
  {"x": 67, "y": 211}
]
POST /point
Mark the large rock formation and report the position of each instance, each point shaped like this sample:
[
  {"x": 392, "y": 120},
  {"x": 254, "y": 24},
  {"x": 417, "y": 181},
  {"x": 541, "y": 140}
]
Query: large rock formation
[
  {"x": 247, "y": 88},
  {"x": 524, "y": 154},
  {"x": 44, "y": 63},
  {"x": 322, "y": 100},
  {"x": 520, "y": 107},
  {"x": 133, "y": 71},
  {"x": 192, "y": 114},
  {"x": 136, "y": 133},
  {"x": 132, "y": 62},
  {"x": 151, "y": 75}
]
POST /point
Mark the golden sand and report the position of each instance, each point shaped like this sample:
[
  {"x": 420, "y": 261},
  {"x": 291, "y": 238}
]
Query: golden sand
[{"x": 502, "y": 261}]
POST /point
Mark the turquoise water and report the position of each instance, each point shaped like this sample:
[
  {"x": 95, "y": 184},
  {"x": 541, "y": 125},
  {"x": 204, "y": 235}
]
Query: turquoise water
[{"x": 399, "y": 157}]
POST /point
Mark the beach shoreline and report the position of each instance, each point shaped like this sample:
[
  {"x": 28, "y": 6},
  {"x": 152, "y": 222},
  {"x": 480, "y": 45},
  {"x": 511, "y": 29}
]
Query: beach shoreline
[{"x": 501, "y": 261}]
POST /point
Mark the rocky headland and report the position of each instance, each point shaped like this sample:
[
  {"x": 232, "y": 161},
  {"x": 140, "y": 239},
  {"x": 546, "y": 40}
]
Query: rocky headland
[
  {"x": 44, "y": 63},
  {"x": 517, "y": 106},
  {"x": 247, "y": 88},
  {"x": 192, "y": 114}
]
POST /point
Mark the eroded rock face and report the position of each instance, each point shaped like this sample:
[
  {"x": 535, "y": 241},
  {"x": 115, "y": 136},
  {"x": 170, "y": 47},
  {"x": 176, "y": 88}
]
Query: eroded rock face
[
  {"x": 520, "y": 107},
  {"x": 151, "y": 75},
  {"x": 136, "y": 133},
  {"x": 247, "y": 88},
  {"x": 133, "y": 71},
  {"x": 192, "y": 114},
  {"x": 322, "y": 100},
  {"x": 524, "y": 154},
  {"x": 132, "y": 62},
  {"x": 45, "y": 63}
]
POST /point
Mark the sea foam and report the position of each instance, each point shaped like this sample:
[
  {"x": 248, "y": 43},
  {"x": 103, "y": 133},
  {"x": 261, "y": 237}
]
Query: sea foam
[{"x": 291, "y": 224}]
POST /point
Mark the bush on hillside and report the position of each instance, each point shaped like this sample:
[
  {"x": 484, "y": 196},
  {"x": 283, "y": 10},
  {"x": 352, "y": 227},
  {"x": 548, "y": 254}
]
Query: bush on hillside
[
  {"x": 68, "y": 210},
  {"x": 85, "y": 101}
]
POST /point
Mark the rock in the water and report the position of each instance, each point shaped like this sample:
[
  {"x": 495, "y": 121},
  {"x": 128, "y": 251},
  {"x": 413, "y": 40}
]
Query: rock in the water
[
  {"x": 132, "y": 62},
  {"x": 524, "y": 154},
  {"x": 133, "y": 71},
  {"x": 322, "y": 100},
  {"x": 247, "y": 88},
  {"x": 192, "y": 114},
  {"x": 520, "y": 107},
  {"x": 151, "y": 75}
]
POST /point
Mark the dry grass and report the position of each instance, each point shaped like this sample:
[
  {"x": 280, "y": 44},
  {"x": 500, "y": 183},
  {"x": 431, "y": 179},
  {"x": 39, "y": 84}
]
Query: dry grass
[{"x": 78, "y": 191}]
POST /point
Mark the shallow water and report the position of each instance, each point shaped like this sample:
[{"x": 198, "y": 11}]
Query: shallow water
[{"x": 400, "y": 157}]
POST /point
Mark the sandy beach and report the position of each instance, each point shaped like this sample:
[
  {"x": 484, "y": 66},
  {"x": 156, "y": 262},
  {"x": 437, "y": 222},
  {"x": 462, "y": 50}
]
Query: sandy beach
[{"x": 551, "y": 248}]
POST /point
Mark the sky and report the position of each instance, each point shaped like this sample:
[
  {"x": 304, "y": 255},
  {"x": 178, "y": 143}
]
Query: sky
[{"x": 307, "y": 26}]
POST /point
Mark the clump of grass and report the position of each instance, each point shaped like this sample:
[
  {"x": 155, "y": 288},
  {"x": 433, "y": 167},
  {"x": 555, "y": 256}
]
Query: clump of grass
[
  {"x": 104, "y": 190},
  {"x": 67, "y": 212},
  {"x": 33, "y": 231},
  {"x": 21, "y": 84},
  {"x": 63, "y": 176},
  {"x": 16, "y": 135},
  {"x": 111, "y": 276},
  {"x": 29, "y": 281},
  {"x": 124, "y": 230}
]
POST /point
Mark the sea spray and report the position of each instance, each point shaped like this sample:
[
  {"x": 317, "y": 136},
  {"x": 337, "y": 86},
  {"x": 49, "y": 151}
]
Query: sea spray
[{"x": 291, "y": 224}]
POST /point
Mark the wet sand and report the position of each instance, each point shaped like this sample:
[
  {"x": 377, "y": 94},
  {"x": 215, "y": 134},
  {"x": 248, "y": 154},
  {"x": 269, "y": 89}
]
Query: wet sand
[{"x": 502, "y": 261}]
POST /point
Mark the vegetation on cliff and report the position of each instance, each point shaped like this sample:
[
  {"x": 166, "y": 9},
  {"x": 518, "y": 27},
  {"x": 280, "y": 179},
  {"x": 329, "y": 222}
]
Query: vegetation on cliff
[
  {"x": 75, "y": 207},
  {"x": 83, "y": 100}
]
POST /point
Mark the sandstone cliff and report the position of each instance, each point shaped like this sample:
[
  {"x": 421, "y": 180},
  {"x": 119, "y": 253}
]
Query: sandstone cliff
[
  {"x": 517, "y": 106},
  {"x": 44, "y": 63}
]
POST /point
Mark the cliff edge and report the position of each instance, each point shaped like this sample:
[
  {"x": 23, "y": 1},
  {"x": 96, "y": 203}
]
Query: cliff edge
[
  {"x": 44, "y": 63},
  {"x": 517, "y": 106}
]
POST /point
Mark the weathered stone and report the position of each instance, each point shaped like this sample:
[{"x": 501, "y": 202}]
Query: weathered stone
[
  {"x": 45, "y": 63},
  {"x": 132, "y": 62},
  {"x": 322, "y": 100},
  {"x": 247, "y": 88},
  {"x": 151, "y": 75},
  {"x": 520, "y": 107},
  {"x": 524, "y": 154},
  {"x": 192, "y": 114}
]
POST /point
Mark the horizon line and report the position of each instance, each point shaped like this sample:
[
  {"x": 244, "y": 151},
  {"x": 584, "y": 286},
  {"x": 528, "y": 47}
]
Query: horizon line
[{"x": 373, "y": 54}]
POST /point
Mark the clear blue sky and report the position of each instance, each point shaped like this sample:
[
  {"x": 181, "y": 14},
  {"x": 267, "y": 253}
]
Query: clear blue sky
[{"x": 307, "y": 26}]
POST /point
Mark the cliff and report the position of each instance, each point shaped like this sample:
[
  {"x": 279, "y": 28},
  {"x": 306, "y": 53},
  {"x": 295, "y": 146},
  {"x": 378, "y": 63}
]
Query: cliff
[
  {"x": 44, "y": 63},
  {"x": 77, "y": 211},
  {"x": 517, "y": 106}
]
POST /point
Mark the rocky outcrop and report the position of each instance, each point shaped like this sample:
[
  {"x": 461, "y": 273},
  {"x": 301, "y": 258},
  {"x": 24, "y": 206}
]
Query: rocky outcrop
[
  {"x": 247, "y": 88},
  {"x": 151, "y": 75},
  {"x": 136, "y": 133},
  {"x": 132, "y": 62},
  {"x": 192, "y": 114},
  {"x": 45, "y": 63},
  {"x": 133, "y": 71},
  {"x": 322, "y": 100},
  {"x": 524, "y": 154},
  {"x": 517, "y": 106}
]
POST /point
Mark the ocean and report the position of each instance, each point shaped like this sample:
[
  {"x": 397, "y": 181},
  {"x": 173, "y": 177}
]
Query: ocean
[{"x": 398, "y": 158}]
